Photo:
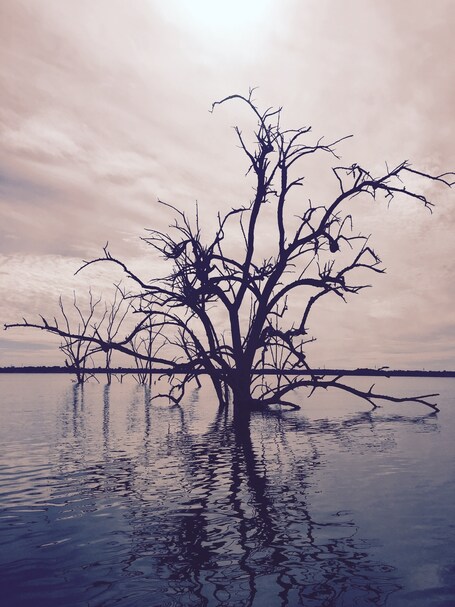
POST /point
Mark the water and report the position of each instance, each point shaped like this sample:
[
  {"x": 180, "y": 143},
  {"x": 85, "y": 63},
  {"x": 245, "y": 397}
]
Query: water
[{"x": 106, "y": 500}]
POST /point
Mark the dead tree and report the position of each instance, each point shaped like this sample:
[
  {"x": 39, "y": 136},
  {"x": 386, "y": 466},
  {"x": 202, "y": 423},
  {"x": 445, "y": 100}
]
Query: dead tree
[
  {"x": 108, "y": 328},
  {"x": 76, "y": 348},
  {"x": 145, "y": 343},
  {"x": 82, "y": 340},
  {"x": 227, "y": 310}
]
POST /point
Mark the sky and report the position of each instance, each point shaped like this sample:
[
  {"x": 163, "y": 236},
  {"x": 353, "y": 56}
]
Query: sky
[{"x": 104, "y": 109}]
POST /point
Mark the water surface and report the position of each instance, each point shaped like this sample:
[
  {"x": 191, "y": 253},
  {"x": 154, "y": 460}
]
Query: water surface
[{"x": 106, "y": 499}]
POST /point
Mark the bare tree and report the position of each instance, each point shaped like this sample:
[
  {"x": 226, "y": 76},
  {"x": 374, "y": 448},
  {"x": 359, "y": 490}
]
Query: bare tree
[
  {"x": 145, "y": 343},
  {"x": 108, "y": 328},
  {"x": 77, "y": 349},
  {"x": 229, "y": 311}
]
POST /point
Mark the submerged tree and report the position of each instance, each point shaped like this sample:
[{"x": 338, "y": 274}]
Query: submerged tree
[
  {"x": 110, "y": 324},
  {"x": 229, "y": 311},
  {"x": 144, "y": 344},
  {"x": 77, "y": 349}
]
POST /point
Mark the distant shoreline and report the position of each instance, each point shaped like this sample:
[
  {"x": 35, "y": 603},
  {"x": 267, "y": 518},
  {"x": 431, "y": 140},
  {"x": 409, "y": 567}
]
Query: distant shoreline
[{"x": 180, "y": 370}]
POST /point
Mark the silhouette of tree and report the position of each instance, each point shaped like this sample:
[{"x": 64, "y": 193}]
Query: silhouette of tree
[
  {"x": 76, "y": 348},
  {"x": 111, "y": 322},
  {"x": 228, "y": 310},
  {"x": 87, "y": 331},
  {"x": 145, "y": 343}
]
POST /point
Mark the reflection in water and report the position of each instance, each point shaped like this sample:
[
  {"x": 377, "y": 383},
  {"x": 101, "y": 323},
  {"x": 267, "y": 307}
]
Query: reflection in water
[
  {"x": 154, "y": 506},
  {"x": 256, "y": 542}
]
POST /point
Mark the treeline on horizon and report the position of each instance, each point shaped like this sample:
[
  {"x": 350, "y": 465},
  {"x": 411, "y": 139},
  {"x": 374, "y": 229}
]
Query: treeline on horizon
[{"x": 382, "y": 372}]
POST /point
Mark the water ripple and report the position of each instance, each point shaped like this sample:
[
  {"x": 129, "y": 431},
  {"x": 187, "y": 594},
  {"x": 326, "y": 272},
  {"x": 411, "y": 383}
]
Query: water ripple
[{"x": 107, "y": 500}]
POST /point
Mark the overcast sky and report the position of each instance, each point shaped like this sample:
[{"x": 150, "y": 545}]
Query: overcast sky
[{"x": 104, "y": 108}]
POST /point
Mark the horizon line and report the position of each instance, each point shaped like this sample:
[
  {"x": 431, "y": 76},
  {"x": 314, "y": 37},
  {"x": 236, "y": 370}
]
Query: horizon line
[{"x": 359, "y": 371}]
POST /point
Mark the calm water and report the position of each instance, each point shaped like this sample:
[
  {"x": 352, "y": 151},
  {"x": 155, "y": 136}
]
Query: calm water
[{"x": 106, "y": 500}]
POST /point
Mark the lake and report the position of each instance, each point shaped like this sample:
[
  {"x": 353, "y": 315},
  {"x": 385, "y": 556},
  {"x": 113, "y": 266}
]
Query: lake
[{"x": 108, "y": 500}]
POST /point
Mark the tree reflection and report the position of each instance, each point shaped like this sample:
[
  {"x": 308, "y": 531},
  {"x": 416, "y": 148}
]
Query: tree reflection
[
  {"x": 224, "y": 516},
  {"x": 273, "y": 550}
]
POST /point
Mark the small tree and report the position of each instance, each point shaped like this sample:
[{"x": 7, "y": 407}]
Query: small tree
[
  {"x": 108, "y": 328},
  {"x": 76, "y": 345},
  {"x": 228, "y": 310},
  {"x": 145, "y": 343}
]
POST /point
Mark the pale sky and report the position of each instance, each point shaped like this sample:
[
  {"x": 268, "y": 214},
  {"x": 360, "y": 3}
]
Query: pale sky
[{"x": 104, "y": 108}]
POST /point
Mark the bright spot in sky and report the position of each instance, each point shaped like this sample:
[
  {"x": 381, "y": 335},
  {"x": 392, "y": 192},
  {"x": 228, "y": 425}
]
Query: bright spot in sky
[{"x": 221, "y": 21}]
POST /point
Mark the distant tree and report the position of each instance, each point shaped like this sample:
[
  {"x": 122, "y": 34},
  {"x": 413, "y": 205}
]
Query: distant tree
[
  {"x": 76, "y": 346},
  {"x": 144, "y": 343},
  {"x": 108, "y": 327},
  {"x": 229, "y": 310},
  {"x": 88, "y": 331}
]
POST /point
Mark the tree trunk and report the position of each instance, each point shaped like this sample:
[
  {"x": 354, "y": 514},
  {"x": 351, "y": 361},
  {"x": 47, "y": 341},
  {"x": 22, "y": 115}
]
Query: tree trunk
[
  {"x": 80, "y": 375},
  {"x": 241, "y": 391}
]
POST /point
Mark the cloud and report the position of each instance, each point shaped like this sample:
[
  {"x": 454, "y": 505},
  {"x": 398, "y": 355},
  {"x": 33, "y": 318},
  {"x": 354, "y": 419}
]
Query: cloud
[{"x": 105, "y": 108}]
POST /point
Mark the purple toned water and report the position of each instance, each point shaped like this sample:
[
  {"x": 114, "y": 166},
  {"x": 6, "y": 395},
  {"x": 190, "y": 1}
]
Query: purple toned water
[{"x": 108, "y": 500}]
